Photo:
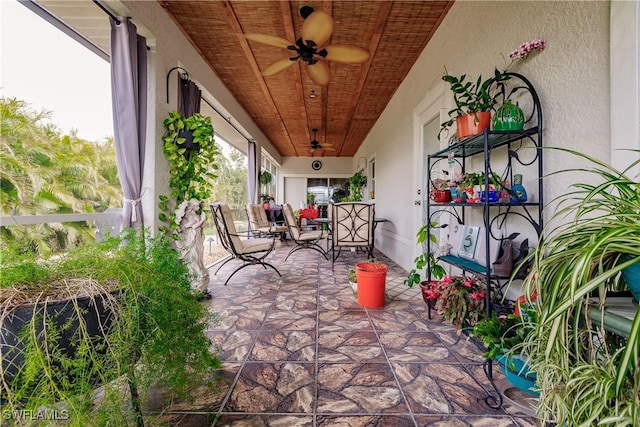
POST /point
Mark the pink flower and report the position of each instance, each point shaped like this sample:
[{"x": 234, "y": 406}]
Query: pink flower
[
  {"x": 446, "y": 280},
  {"x": 477, "y": 295},
  {"x": 527, "y": 47},
  {"x": 468, "y": 282}
]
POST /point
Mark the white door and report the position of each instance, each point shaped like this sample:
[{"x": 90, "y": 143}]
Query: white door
[{"x": 426, "y": 124}]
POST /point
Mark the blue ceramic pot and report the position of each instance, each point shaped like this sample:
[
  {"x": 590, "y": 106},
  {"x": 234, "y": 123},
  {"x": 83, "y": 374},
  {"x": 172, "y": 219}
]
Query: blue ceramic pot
[
  {"x": 517, "y": 372},
  {"x": 631, "y": 276},
  {"x": 494, "y": 196}
]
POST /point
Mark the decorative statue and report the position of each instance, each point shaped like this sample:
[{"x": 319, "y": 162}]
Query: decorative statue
[{"x": 191, "y": 243}]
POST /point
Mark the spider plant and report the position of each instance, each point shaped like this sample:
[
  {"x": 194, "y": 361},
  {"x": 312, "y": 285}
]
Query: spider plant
[{"x": 586, "y": 375}]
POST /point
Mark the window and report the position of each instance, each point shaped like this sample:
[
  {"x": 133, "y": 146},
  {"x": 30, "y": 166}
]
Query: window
[
  {"x": 371, "y": 181},
  {"x": 269, "y": 165}
]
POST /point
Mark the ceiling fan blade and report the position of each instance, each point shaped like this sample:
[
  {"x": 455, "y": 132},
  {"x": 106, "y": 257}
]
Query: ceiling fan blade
[
  {"x": 269, "y": 40},
  {"x": 328, "y": 148},
  {"x": 317, "y": 27},
  {"x": 319, "y": 73},
  {"x": 277, "y": 66},
  {"x": 347, "y": 54}
]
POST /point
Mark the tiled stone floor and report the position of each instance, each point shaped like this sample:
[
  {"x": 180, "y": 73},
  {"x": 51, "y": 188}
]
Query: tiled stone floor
[{"x": 298, "y": 350}]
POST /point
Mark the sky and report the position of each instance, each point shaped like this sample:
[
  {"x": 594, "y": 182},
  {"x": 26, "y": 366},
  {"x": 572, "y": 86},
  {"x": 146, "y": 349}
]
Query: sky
[{"x": 49, "y": 70}]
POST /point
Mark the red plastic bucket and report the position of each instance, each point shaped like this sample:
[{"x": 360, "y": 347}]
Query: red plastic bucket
[{"x": 372, "y": 277}]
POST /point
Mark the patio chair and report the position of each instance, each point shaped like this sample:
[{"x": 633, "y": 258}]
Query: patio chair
[
  {"x": 352, "y": 226},
  {"x": 304, "y": 239},
  {"x": 249, "y": 251},
  {"x": 259, "y": 223}
]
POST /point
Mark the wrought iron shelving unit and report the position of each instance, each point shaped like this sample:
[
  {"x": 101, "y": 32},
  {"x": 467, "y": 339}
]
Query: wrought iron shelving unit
[{"x": 495, "y": 214}]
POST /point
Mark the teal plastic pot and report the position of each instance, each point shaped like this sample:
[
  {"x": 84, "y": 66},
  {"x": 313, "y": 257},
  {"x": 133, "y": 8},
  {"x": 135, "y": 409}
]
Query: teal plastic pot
[
  {"x": 516, "y": 370},
  {"x": 631, "y": 276}
]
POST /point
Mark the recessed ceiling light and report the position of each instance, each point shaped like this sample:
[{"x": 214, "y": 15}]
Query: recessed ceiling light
[{"x": 313, "y": 94}]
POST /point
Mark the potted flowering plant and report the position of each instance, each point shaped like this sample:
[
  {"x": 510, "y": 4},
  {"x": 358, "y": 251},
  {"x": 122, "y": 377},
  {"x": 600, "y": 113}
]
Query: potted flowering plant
[
  {"x": 475, "y": 100},
  {"x": 462, "y": 300},
  {"x": 266, "y": 201}
]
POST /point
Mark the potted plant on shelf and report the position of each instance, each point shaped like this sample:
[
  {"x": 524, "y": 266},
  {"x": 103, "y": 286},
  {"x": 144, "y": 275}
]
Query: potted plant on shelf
[
  {"x": 587, "y": 374},
  {"x": 475, "y": 100},
  {"x": 119, "y": 314},
  {"x": 474, "y": 103},
  {"x": 191, "y": 176},
  {"x": 266, "y": 201}
]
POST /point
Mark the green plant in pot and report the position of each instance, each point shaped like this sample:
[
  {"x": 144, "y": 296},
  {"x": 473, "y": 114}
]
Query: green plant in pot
[
  {"x": 587, "y": 374},
  {"x": 426, "y": 267},
  {"x": 474, "y": 102},
  {"x": 192, "y": 173},
  {"x": 357, "y": 181},
  {"x": 503, "y": 336},
  {"x": 118, "y": 314}
]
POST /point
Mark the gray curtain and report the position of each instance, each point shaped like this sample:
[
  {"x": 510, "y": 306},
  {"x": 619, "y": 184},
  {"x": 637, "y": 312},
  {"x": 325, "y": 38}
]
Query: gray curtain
[
  {"x": 129, "y": 99},
  {"x": 188, "y": 97},
  {"x": 252, "y": 172}
]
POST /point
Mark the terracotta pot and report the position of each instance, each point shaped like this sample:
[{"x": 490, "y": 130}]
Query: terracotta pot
[
  {"x": 473, "y": 123},
  {"x": 266, "y": 206}
]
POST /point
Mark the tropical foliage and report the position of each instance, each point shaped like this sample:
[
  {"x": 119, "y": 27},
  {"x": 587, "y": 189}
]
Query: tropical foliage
[
  {"x": 192, "y": 171},
  {"x": 43, "y": 171},
  {"x": 151, "y": 334},
  {"x": 586, "y": 374}
]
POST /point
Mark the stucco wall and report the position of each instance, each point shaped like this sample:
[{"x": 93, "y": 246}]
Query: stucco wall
[{"x": 571, "y": 77}]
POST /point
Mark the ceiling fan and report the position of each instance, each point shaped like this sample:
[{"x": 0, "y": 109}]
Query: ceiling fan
[
  {"x": 314, "y": 144},
  {"x": 316, "y": 30}
]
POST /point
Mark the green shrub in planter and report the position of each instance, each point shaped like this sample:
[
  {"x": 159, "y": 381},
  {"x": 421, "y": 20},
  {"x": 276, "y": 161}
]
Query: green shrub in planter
[{"x": 151, "y": 334}]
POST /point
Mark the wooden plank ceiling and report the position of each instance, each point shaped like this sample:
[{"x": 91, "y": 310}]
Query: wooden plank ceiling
[{"x": 344, "y": 111}]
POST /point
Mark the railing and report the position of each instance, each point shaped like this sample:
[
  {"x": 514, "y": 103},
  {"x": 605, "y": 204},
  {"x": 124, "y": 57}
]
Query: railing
[{"x": 108, "y": 222}]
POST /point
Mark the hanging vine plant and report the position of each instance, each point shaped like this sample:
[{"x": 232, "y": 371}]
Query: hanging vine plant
[{"x": 192, "y": 162}]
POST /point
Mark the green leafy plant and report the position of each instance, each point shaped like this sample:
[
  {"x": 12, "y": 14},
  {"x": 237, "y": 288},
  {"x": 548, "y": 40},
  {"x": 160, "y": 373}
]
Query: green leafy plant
[
  {"x": 587, "y": 375},
  {"x": 351, "y": 275},
  {"x": 265, "y": 177},
  {"x": 356, "y": 182},
  {"x": 151, "y": 332},
  {"x": 191, "y": 170},
  {"x": 266, "y": 198},
  {"x": 482, "y": 95},
  {"x": 425, "y": 259},
  {"x": 311, "y": 198},
  {"x": 471, "y": 97},
  {"x": 500, "y": 333}
]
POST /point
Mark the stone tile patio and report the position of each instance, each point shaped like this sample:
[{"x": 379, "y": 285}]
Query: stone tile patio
[{"x": 299, "y": 350}]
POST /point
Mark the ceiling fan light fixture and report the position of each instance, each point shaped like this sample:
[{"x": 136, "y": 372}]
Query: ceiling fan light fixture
[{"x": 305, "y": 11}]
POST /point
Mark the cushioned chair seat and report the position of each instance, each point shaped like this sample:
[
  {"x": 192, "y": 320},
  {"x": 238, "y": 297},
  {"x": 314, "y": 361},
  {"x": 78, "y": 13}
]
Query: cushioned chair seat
[
  {"x": 249, "y": 251},
  {"x": 304, "y": 239}
]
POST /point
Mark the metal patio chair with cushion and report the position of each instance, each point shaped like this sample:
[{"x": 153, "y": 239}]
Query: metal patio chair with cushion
[
  {"x": 259, "y": 223},
  {"x": 304, "y": 239},
  {"x": 352, "y": 226},
  {"x": 249, "y": 251}
]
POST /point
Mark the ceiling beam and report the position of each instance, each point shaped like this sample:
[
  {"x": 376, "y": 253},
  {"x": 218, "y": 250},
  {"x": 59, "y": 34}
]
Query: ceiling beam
[{"x": 246, "y": 49}]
